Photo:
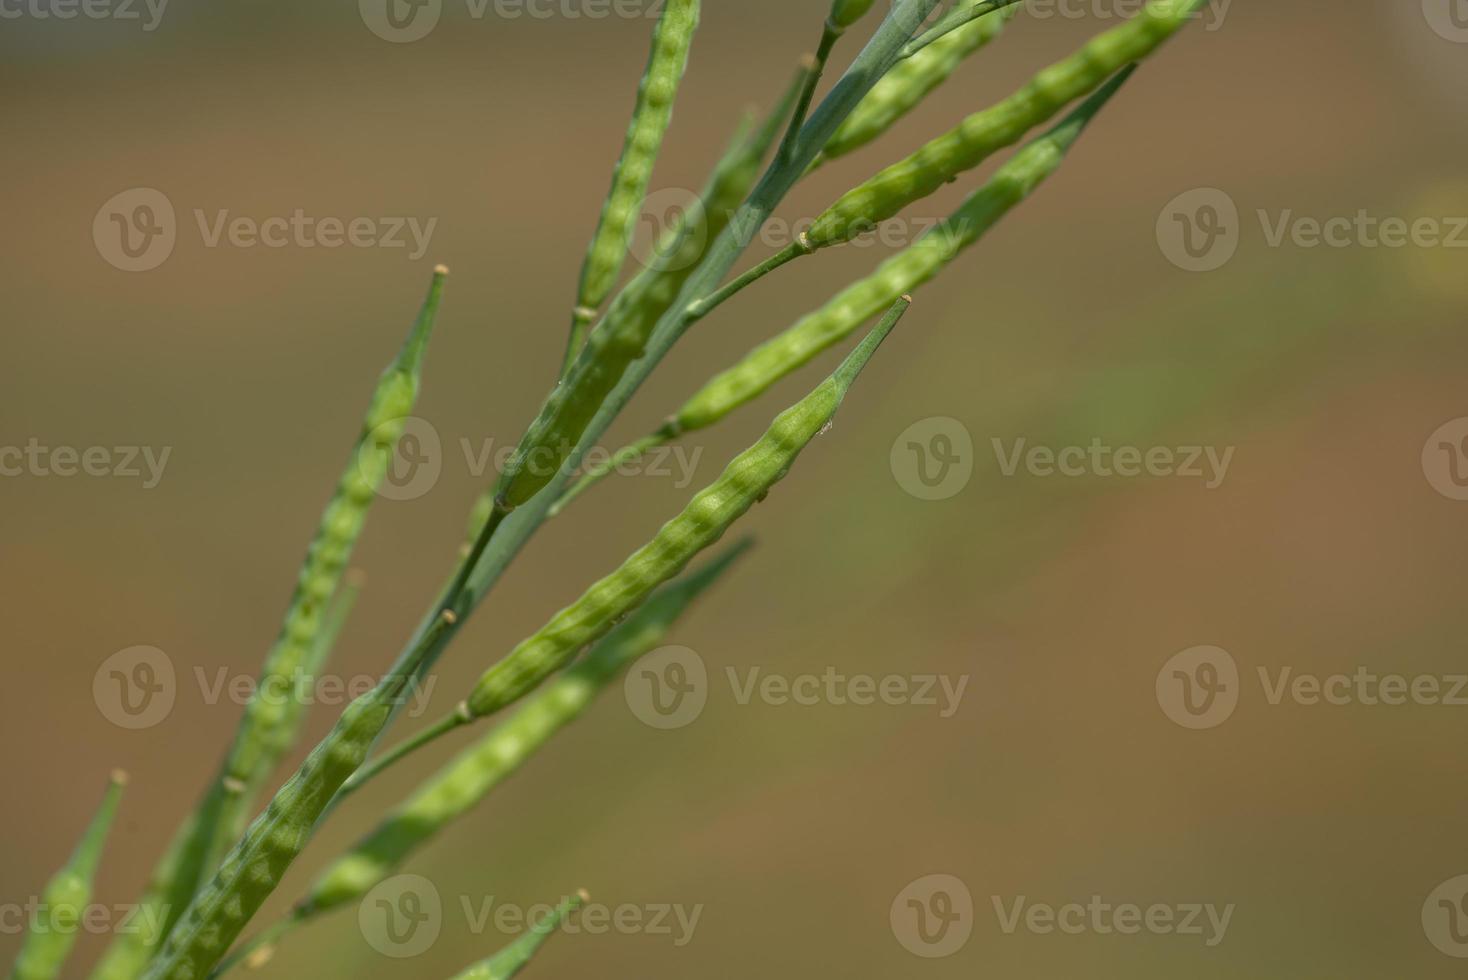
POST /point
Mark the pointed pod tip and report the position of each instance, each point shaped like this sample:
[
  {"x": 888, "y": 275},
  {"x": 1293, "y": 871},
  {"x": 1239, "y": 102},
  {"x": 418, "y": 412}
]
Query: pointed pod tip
[
  {"x": 583, "y": 895},
  {"x": 440, "y": 270},
  {"x": 119, "y": 778}
]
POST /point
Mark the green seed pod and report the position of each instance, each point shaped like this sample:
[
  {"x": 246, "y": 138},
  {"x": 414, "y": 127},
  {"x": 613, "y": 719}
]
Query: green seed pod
[
  {"x": 516, "y": 956},
  {"x": 746, "y": 481},
  {"x": 845, "y": 13},
  {"x": 254, "y": 868},
  {"x": 672, "y": 40},
  {"x": 469, "y": 777},
  {"x": 904, "y": 272},
  {"x": 984, "y": 133},
  {"x": 623, "y": 334},
  {"x": 271, "y": 722},
  {"x": 907, "y": 84},
  {"x": 55, "y": 924}
]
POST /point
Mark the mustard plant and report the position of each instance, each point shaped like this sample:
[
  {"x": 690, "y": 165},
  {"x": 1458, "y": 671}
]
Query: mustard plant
[{"x": 220, "y": 866}]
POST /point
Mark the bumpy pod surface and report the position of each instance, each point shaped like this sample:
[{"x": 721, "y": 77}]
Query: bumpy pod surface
[
  {"x": 56, "y": 923},
  {"x": 515, "y": 957},
  {"x": 271, "y": 721},
  {"x": 845, "y": 13},
  {"x": 904, "y": 272},
  {"x": 708, "y": 515},
  {"x": 672, "y": 41},
  {"x": 910, "y": 81},
  {"x": 253, "y": 869},
  {"x": 984, "y": 133},
  {"x": 623, "y": 334},
  {"x": 474, "y": 773}
]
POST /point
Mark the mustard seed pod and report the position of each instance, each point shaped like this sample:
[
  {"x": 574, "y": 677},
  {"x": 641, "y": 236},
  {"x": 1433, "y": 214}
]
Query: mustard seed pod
[
  {"x": 911, "y": 81},
  {"x": 57, "y": 920},
  {"x": 904, "y": 272},
  {"x": 471, "y": 775},
  {"x": 748, "y": 478},
  {"x": 253, "y": 869},
  {"x": 271, "y": 721},
  {"x": 987, "y": 132},
  {"x": 623, "y": 333},
  {"x": 653, "y": 114}
]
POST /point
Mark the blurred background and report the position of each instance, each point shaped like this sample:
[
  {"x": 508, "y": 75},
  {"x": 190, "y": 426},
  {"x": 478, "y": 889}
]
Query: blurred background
[{"x": 1330, "y": 377}]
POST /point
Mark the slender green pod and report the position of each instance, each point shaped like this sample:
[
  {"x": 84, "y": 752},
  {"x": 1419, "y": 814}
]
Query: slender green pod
[
  {"x": 254, "y": 868},
  {"x": 987, "y": 132},
  {"x": 904, "y": 272},
  {"x": 672, "y": 40},
  {"x": 58, "y": 919},
  {"x": 909, "y": 82},
  {"x": 516, "y": 956},
  {"x": 623, "y": 333},
  {"x": 469, "y": 777},
  {"x": 271, "y": 721},
  {"x": 748, "y": 478}
]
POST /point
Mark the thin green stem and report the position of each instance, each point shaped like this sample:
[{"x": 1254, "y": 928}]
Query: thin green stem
[
  {"x": 699, "y": 309},
  {"x": 407, "y": 747},
  {"x": 952, "y": 22},
  {"x": 812, "y": 71}
]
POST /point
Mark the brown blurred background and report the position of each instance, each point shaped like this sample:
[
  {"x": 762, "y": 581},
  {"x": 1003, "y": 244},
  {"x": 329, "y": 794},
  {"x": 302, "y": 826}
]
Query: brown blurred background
[{"x": 1060, "y": 777}]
